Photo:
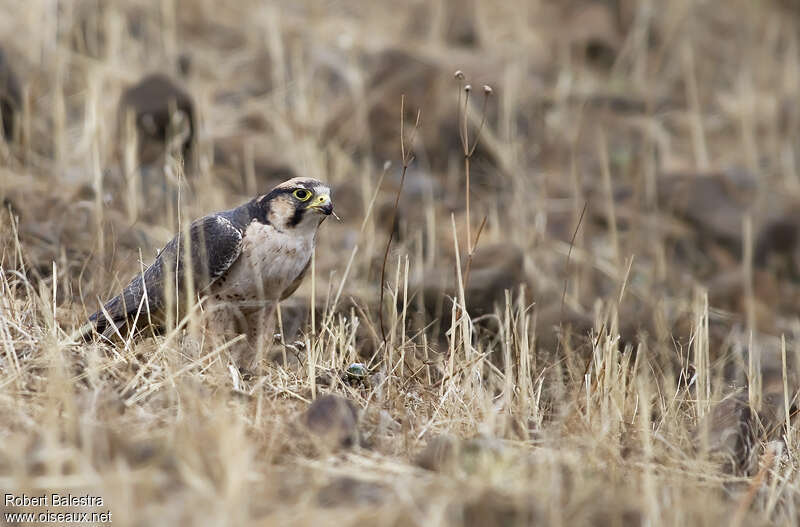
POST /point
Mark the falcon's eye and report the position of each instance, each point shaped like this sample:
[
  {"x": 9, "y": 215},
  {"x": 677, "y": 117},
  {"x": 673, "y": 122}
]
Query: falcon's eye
[{"x": 302, "y": 194}]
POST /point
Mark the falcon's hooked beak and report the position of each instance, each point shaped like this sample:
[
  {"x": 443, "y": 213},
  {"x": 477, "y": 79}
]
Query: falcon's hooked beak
[{"x": 323, "y": 204}]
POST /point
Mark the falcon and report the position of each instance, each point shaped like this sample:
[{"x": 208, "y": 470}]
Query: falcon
[{"x": 243, "y": 261}]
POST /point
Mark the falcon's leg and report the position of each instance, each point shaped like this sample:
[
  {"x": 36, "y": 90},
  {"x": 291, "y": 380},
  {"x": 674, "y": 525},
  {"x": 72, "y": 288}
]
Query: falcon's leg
[
  {"x": 260, "y": 332},
  {"x": 222, "y": 323}
]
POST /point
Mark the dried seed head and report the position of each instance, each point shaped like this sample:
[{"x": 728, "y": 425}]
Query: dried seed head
[
  {"x": 468, "y": 88},
  {"x": 459, "y": 75},
  {"x": 387, "y": 165},
  {"x": 487, "y": 89}
]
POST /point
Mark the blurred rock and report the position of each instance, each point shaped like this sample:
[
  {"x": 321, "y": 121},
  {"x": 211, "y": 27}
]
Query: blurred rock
[
  {"x": 10, "y": 97},
  {"x": 790, "y": 6},
  {"x": 714, "y": 204},
  {"x": 346, "y": 490},
  {"x": 589, "y": 28},
  {"x": 729, "y": 434},
  {"x": 419, "y": 19},
  {"x": 333, "y": 420},
  {"x": 592, "y": 27},
  {"x": 439, "y": 453},
  {"x": 557, "y": 323},
  {"x": 419, "y": 190},
  {"x": 220, "y": 34},
  {"x": 249, "y": 165},
  {"x": 494, "y": 269},
  {"x": 777, "y": 245},
  {"x": 636, "y": 321},
  {"x": 495, "y": 509},
  {"x": 152, "y": 101},
  {"x": 424, "y": 80},
  {"x": 391, "y": 75},
  {"x": 772, "y": 293},
  {"x": 460, "y": 23},
  {"x": 446, "y": 453}
]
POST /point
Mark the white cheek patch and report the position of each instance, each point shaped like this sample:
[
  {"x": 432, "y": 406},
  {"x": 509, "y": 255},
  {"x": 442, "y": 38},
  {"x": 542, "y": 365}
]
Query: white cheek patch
[{"x": 282, "y": 210}]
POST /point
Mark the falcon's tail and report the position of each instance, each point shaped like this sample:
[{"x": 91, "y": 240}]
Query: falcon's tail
[
  {"x": 112, "y": 317},
  {"x": 83, "y": 333},
  {"x": 98, "y": 324}
]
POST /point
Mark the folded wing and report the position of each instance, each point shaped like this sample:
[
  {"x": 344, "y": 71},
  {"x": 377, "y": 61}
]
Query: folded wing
[{"x": 215, "y": 244}]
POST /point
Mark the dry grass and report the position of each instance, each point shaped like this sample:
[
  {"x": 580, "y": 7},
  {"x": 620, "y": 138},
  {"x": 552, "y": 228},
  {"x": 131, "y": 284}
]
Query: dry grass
[{"x": 554, "y": 343}]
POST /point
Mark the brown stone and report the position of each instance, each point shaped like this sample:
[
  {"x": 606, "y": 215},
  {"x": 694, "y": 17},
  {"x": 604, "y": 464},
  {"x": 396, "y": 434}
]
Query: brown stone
[
  {"x": 494, "y": 269},
  {"x": 333, "y": 420}
]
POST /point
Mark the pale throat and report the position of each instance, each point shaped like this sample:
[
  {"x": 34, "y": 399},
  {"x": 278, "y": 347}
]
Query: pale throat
[
  {"x": 304, "y": 232},
  {"x": 309, "y": 225}
]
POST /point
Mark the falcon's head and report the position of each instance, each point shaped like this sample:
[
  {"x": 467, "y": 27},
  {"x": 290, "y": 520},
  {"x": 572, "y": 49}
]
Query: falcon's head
[{"x": 299, "y": 203}]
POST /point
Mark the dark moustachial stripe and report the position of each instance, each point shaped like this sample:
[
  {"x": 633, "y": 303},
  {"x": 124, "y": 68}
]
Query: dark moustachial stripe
[{"x": 297, "y": 217}]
